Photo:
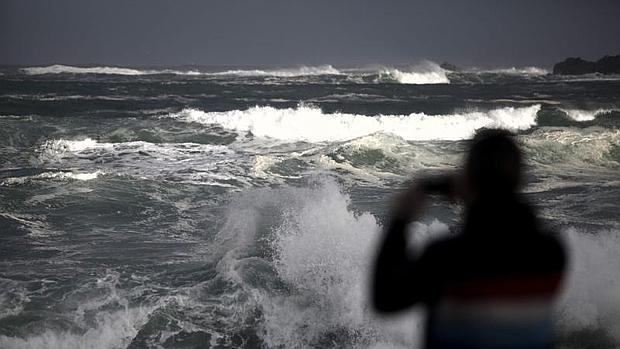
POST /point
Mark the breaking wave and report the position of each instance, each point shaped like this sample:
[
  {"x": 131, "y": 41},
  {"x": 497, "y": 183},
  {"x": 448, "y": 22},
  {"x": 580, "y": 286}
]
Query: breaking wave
[
  {"x": 311, "y": 287},
  {"x": 286, "y": 72},
  {"x": 585, "y": 115},
  {"x": 427, "y": 73},
  {"x": 307, "y": 123},
  {"x": 67, "y": 69},
  {"x": 531, "y": 71}
]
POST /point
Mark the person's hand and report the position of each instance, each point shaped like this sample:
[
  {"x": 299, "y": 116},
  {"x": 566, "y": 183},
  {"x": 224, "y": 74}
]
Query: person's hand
[
  {"x": 409, "y": 203},
  {"x": 450, "y": 185}
]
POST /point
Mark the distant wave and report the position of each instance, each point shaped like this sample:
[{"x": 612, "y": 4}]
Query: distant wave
[
  {"x": 518, "y": 71},
  {"x": 286, "y": 72},
  {"x": 307, "y": 123},
  {"x": 427, "y": 73},
  {"x": 67, "y": 69},
  {"x": 585, "y": 115}
]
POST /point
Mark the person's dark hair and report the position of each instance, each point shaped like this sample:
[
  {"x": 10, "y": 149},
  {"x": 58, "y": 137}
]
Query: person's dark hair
[{"x": 494, "y": 164}]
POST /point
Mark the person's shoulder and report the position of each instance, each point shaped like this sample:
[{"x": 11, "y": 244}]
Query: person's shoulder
[{"x": 553, "y": 243}]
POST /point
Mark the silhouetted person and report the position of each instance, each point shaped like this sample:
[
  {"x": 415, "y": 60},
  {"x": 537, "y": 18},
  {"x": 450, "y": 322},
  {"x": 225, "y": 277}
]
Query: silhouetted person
[{"x": 492, "y": 285}]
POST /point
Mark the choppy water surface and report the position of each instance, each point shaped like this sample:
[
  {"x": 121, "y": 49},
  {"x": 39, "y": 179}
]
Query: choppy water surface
[{"x": 192, "y": 208}]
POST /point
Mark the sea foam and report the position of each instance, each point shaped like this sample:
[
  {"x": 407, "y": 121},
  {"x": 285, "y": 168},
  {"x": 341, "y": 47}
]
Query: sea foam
[
  {"x": 67, "y": 69},
  {"x": 310, "y": 124}
]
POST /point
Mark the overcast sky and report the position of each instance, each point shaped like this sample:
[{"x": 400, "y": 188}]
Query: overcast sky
[{"x": 293, "y": 32}]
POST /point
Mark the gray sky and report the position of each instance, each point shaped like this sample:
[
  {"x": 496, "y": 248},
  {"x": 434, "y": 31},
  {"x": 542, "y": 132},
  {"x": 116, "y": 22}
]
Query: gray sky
[{"x": 294, "y": 32}]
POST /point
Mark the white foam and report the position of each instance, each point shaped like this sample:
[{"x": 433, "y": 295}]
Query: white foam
[
  {"x": 284, "y": 72},
  {"x": 585, "y": 115},
  {"x": 72, "y": 175},
  {"x": 306, "y": 123},
  {"x": 75, "y": 145},
  {"x": 67, "y": 69},
  {"x": 532, "y": 71},
  {"x": 57, "y": 175},
  {"x": 61, "y": 146},
  {"x": 426, "y": 73},
  {"x": 204, "y": 164}
]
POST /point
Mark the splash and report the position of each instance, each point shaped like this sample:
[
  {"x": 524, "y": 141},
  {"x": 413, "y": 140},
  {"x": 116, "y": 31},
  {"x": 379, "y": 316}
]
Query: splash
[
  {"x": 309, "y": 283},
  {"x": 591, "y": 300}
]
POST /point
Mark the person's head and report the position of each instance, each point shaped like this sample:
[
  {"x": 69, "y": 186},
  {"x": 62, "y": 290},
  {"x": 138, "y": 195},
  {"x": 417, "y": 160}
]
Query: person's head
[{"x": 493, "y": 166}]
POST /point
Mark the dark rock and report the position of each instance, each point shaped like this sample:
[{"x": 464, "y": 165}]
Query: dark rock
[
  {"x": 578, "y": 66},
  {"x": 608, "y": 65},
  {"x": 574, "y": 66}
]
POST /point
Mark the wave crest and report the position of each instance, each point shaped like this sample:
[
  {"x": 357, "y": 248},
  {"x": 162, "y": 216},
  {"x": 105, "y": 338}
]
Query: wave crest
[
  {"x": 307, "y": 123},
  {"x": 530, "y": 71},
  {"x": 289, "y": 72},
  {"x": 67, "y": 69},
  {"x": 427, "y": 73},
  {"x": 585, "y": 115}
]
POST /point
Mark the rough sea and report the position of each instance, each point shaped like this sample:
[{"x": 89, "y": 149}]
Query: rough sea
[{"x": 210, "y": 208}]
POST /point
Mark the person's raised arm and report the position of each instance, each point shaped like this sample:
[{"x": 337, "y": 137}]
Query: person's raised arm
[{"x": 401, "y": 279}]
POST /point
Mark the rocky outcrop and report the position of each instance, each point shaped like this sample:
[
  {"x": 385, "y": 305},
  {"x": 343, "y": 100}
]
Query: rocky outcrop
[
  {"x": 608, "y": 65},
  {"x": 578, "y": 66}
]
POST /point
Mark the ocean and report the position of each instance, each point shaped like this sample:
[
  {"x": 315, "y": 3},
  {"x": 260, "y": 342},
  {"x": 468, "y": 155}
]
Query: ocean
[{"x": 200, "y": 207}]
